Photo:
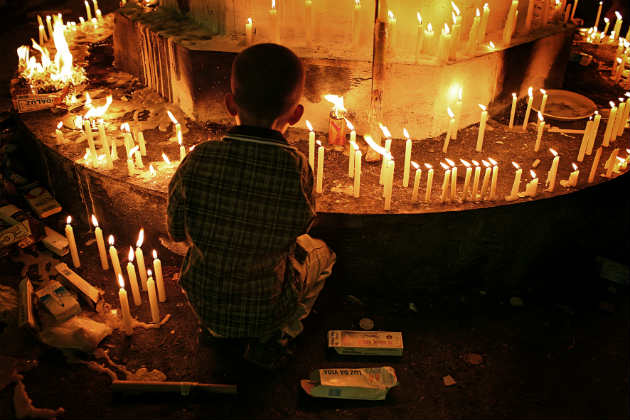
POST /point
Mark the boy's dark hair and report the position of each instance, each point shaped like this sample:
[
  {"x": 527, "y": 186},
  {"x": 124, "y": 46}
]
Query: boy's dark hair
[{"x": 267, "y": 80}]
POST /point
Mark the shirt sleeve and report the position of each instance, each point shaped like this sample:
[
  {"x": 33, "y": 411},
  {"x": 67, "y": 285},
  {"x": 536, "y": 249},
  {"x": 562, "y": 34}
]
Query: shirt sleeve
[{"x": 176, "y": 209}]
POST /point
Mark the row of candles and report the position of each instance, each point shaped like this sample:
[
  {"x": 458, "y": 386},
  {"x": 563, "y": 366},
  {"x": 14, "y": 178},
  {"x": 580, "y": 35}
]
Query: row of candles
[
  {"x": 51, "y": 20},
  {"x": 154, "y": 288}
]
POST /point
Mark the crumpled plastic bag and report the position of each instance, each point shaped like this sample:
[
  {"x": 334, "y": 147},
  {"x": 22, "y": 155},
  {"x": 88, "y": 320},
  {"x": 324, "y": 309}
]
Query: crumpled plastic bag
[{"x": 77, "y": 333}]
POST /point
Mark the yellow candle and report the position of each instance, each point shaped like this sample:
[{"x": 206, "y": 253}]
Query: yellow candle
[
  {"x": 585, "y": 140},
  {"x": 530, "y": 92},
  {"x": 429, "y": 44},
  {"x": 607, "y": 24},
  {"x": 98, "y": 233},
  {"x": 456, "y": 32},
  {"x": 427, "y": 195},
  {"x": 157, "y": 267},
  {"x": 541, "y": 128},
  {"x": 449, "y": 132},
  {"x": 356, "y": 23},
  {"x": 178, "y": 127},
  {"x": 392, "y": 43},
  {"x": 113, "y": 254},
  {"x": 141, "y": 143},
  {"x": 388, "y": 146},
  {"x": 407, "y": 167},
  {"x": 495, "y": 178},
  {"x": 513, "y": 110},
  {"x": 109, "y": 164},
  {"x": 517, "y": 182},
  {"x": 153, "y": 302},
  {"x": 352, "y": 146},
  {"x": 453, "y": 179},
  {"x": 389, "y": 184},
  {"x": 473, "y": 37},
  {"x": 140, "y": 260},
  {"x": 445, "y": 183},
  {"x": 476, "y": 180},
  {"x": 543, "y": 104},
  {"x": 573, "y": 177},
  {"x": 357, "y": 174},
  {"x": 593, "y": 135},
  {"x": 72, "y": 244},
  {"x": 311, "y": 145},
  {"x": 484, "y": 23},
  {"x": 320, "y": 168},
  {"x": 551, "y": 175},
  {"x": 124, "y": 306},
  {"x": 598, "y": 155},
  {"x": 508, "y": 30},
  {"x": 87, "y": 127},
  {"x": 444, "y": 44},
  {"x": 486, "y": 181},
  {"x": 88, "y": 11},
  {"x": 532, "y": 187},
  {"x": 619, "y": 123},
  {"x": 458, "y": 113},
  {"x": 610, "y": 163},
  {"x": 133, "y": 280},
  {"x": 467, "y": 179},
  {"x": 42, "y": 34},
  {"x": 419, "y": 37},
  {"x": 610, "y": 125},
  {"x": 131, "y": 170},
  {"x": 416, "y": 182},
  {"x": 273, "y": 19},
  {"x": 308, "y": 22},
  {"x": 50, "y": 28},
  {"x": 599, "y": 14},
  {"x": 618, "y": 24},
  {"x": 482, "y": 128},
  {"x": 249, "y": 32}
]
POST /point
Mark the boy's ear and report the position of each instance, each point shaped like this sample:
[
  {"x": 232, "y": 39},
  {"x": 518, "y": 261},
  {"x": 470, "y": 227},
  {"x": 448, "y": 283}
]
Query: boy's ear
[
  {"x": 230, "y": 104},
  {"x": 296, "y": 116}
]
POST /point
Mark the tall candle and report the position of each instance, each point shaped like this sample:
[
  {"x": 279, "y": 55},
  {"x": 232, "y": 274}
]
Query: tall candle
[
  {"x": 598, "y": 155},
  {"x": 456, "y": 32},
  {"x": 551, "y": 175},
  {"x": 429, "y": 45},
  {"x": 445, "y": 183},
  {"x": 484, "y": 23},
  {"x": 42, "y": 34},
  {"x": 389, "y": 184},
  {"x": 320, "y": 168},
  {"x": 311, "y": 145},
  {"x": 133, "y": 280},
  {"x": 87, "y": 127},
  {"x": 618, "y": 23},
  {"x": 585, "y": 140},
  {"x": 540, "y": 129},
  {"x": 599, "y": 14},
  {"x": 508, "y": 30},
  {"x": 495, "y": 178},
  {"x": 517, "y": 181},
  {"x": 50, "y": 28},
  {"x": 419, "y": 37},
  {"x": 513, "y": 110},
  {"x": 407, "y": 167},
  {"x": 427, "y": 194},
  {"x": 153, "y": 302},
  {"x": 357, "y": 174},
  {"x": 473, "y": 37},
  {"x": 486, "y": 181},
  {"x": 142, "y": 143},
  {"x": 124, "y": 306},
  {"x": 530, "y": 93},
  {"x": 458, "y": 113},
  {"x": 178, "y": 126},
  {"x": 109, "y": 164},
  {"x": 249, "y": 32},
  {"x": 98, "y": 234},
  {"x": 530, "y": 15},
  {"x": 475, "y": 187},
  {"x": 273, "y": 19},
  {"x": 127, "y": 139},
  {"x": 88, "y": 11},
  {"x": 113, "y": 255},
  {"x": 72, "y": 244},
  {"x": 543, "y": 104},
  {"x": 610, "y": 125},
  {"x": 444, "y": 44},
  {"x": 416, "y": 182},
  {"x": 532, "y": 187},
  {"x": 140, "y": 260},
  {"x": 157, "y": 267},
  {"x": 619, "y": 123},
  {"x": 466, "y": 179},
  {"x": 593, "y": 135},
  {"x": 356, "y": 23},
  {"x": 449, "y": 132},
  {"x": 352, "y": 146},
  {"x": 606, "y": 26},
  {"x": 482, "y": 128}
]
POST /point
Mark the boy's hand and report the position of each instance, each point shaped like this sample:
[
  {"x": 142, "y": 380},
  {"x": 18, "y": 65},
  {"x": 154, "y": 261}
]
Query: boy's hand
[{"x": 179, "y": 248}]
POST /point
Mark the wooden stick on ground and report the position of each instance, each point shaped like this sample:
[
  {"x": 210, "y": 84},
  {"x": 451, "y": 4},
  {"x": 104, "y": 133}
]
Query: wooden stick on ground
[{"x": 183, "y": 388}]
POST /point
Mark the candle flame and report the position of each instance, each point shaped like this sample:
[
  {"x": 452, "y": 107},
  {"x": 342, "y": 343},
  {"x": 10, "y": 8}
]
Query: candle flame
[
  {"x": 59, "y": 125},
  {"x": 140, "y": 238},
  {"x": 94, "y": 221},
  {"x": 618, "y": 15},
  {"x": 100, "y": 158},
  {"x": 492, "y": 161},
  {"x": 606, "y": 20},
  {"x": 125, "y": 127},
  {"x": 385, "y": 131},
  {"x": 533, "y": 174},
  {"x": 483, "y": 107},
  {"x": 273, "y": 4},
  {"x": 191, "y": 148},
  {"x": 553, "y": 152},
  {"x": 454, "y": 16},
  {"x": 68, "y": 220},
  {"x": 486, "y": 164},
  {"x": 492, "y": 46},
  {"x": 540, "y": 116},
  {"x": 319, "y": 143},
  {"x": 419, "y": 18},
  {"x": 428, "y": 166},
  {"x": 459, "y": 94},
  {"x": 357, "y": 2},
  {"x": 355, "y": 146},
  {"x": 612, "y": 104},
  {"x": 429, "y": 27},
  {"x": 530, "y": 91},
  {"x": 406, "y": 134},
  {"x": 166, "y": 159},
  {"x": 465, "y": 163},
  {"x": 338, "y": 107},
  {"x": 249, "y": 21},
  {"x": 110, "y": 240},
  {"x": 152, "y": 170},
  {"x": 446, "y": 30},
  {"x": 308, "y": 124},
  {"x": 149, "y": 273},
  {"x": 444, "y": 165},
  {"x": 475, "y": 163},
  {"x": 485, "y": 6},
  {"x": 516, "y": 165},
  {"x": 121, "y": 281},
  {"x": 391, "y": 15},
  {"x": 450, "y": 113},
  {"x": 415, "y": 165},
  {"x": 172, "y": 117},
  {"x": 627, "y": 94},
  {"x": 130, "y": 256},
  {"x": 543, "y": 91},
  {"x": 349, "y": 124},
  {"x": 154, "y": 254},
  {"x": 133, "y": 150},
  {"x": 575, "y": 167},
  {"x": 455, "y": 8},
  {"x": 477, "y": 12},
  {"x": 378, "y": 149},
  {"x": 450, "y": 162},
  {"x": 98, "y": 111}
]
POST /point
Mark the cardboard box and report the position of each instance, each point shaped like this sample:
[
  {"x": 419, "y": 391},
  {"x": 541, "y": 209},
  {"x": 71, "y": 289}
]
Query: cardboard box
[
  {"x": 26, "y": 100},
  {"x": 42, "y": 203},
  {"x": 351, "y": 384},
  {"x": 11, "y": 231},
  {"x": 366, "y": 343},
  {"x": 89, "y": 293},
  {"x": 55, "y": 242},
  {"x": 58, "y": 300}
]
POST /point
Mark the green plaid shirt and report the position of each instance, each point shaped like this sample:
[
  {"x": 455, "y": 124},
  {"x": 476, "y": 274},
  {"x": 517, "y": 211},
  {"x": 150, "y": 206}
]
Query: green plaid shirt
[{"x": 241, "y": 203}]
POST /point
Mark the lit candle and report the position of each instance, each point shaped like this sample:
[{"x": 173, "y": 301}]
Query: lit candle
[
  {"x": 407, "y": 167},
  {"x": 610, "y": 163},
  {"x": 429, "y": 44},
  {"x": 598, "y": 155},
  {"x": 50, "y": 28},
  {"x": 389, "y": 183},
  {"x": 308, "y": 22},
  {"x": 311, "y": 145},
  {"x": 551, "y": 175},
  {"x": 249, "y": 32},
  {"x": 486, "y": 181},
  {"x": 140, "y": 260},
  {"x": 153, "y": 302},
  {"x": 98, "y": 234},
  {"x": 543, "y": 104},
  {"x": 59, "y": 134},
  {"x": 593, "y": 135},
  {"x": 141, "y": 143},
  {"x": 133, "y": 280},
  {"x": 456, "y": 33},
  {"x": 427, "y": 195},
  {"x": 357, "y": 173},
  {"x": 510, "y": 24},
  {"x": 607, "y": 24},
  {"x": 473, "y": 37},
  {"x": 484, "y": 23},
  {"x": 72, "y": 244},
  {"x": 320, "y": 167},
  {"x": 495, "y": 178},
  {"x": 419, "y": 37},
  {"x": 532, "y": 187},
  {"x": 475, "y": 188},
  {"x": 109, "y": 164},
  {"x": 351, "y": 148},
  {"x": 458, "y": 113},
  {"x": 42, "y": 34},
  {"x": 178, "y": 126},
  {"x": 87, "y": 127},
  {"x": 356, "y": 23},
  {"x": 585, "y": 139},
  {"x": 182, "y": 149},
  {"x": 541, "y": 128},
  {"x": 530, "y": 93},
  {"x": 152, "y": 171},
  {"x": 513, "y": 110},
  {"x": 599, "y": 14},
  {"x": 451, "y": 128},
  {"x": 131, "y": 169},
  {"x": 517, "y": 183},
  {"x": 416, "y": 182},
  {"x": 444, "y": 44},
  {"x": 127, "y": 139},
  {"x": 482, "y": 128},
  {"x": 391, "y": 33},
  {"x": 530, "y": 15},
  {"x": 618, "y": 68},
  {"x": 445, "y": 183},
  {"x": 388, "y": 147},
  {"x": 88, "y": 11},
  {"x": 159, "y": 280},
  {"x": 113, "y": 255},
  {"x": 573, "y": 177},
  {"x": 124, "y": 306},
  {"x": 467, "y": 179},
  {"x": 619, "y": 123},
  {"x": 275, "y": 29},
  {"x": 81, "y": 20},
  {"x": 95, "y": 3},
  {"x": 453, "y": 179},
  {"x": 618, "y": 24},
  {"x": 610, "y": 125}
]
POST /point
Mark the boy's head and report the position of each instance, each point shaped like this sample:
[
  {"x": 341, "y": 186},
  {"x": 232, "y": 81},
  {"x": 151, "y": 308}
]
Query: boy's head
[{"x": 267, "y": 83}]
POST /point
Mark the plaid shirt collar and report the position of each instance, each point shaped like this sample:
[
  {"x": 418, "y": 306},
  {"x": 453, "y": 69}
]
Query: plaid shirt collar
[{"x": 261, "y": 133}]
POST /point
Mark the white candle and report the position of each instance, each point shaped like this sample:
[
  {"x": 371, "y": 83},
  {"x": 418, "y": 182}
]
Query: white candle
[
  {"x": 453, "y": 179},
  {"x": 419, "y": 37},
  {"x": 541, "y": 128},
  {"x": 356, "y": 23},
  {"x": 357, "y": 174},
  {"x": 486, "y": 181},
  {"x": 352, "y": 146},
  {"x": 109, "y": 164},
  {"x": 178, "y": 126},
  {"x": 530, "y": 93},
  {"x": 508, "y": 30},
  {"x": 517, "y": 182},
  {"x": 466, "y": 179},
  {"x": 449, "y": 132},
  {"x": 427, "y": 195},
  {"x": 599, "y": 14},
  {"x": 311, "y": 145},
  {"x": 59, "y": 134},
  {"x": 444, "y": 45},
  {"x": 133, "y": 280},
  {"x": 131, "y": 169},
  {"x": 50, "y": 28},
  {"x": 543, "y": 104},
  {"x": 585, "y": 140},
  {"x": 308, "y": 22},
  {"x": 473, "y": 37},
  {"x": 140, "y": 260},
  {"x": 458, "y": 113},
  {"x": 475, "y": 187},
  {"x": 573, "y": 177},
  {"x": 445, "y": 183},
  {"x": 619, "y": 123},
  {"x": 484, "y": 23},
  {"x": 142, "y": 143},
  {"x": 610, "y": 125},
  {"x": 607, "y": 24},
  {"x": 513, "y": 110},
  {"x": 388, "y": 147},
  {"x": 153, "y": 302},
  {"x": 618, "y": 24},
  {"x": 532, "y": 187},
  {"x": 456, "y": 32},
  {"x": 42, "y": 34},
  {"x": 113, "y": 255},
  {"x": 598, "y": 155},
  {"x": 320, "y": 168},
  {"x": 87, "y": 127},
  {"x": 429, "y": 46},
  {"x": 72, "y": 244},
  {"x": 407, "y": 167},
  {"x": 273, "y": 19},
  {"x": 610, "y": 163},
  {"x": 593, "y": 135},
  {"x": 416, "y": 182},
  {"x": 124, "y": 306},
  {"x": 389, "y": 183},
  {"x": 249, "y": 32},
  {"x": 98, "y": 234},
  {"x": 88, "y": 11},
  {"x": 157, "y": 267},
  {"x": 551, "y": 175},
  {"x": 495, "y": 178},
  {"x": 482, "y": 128}
]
